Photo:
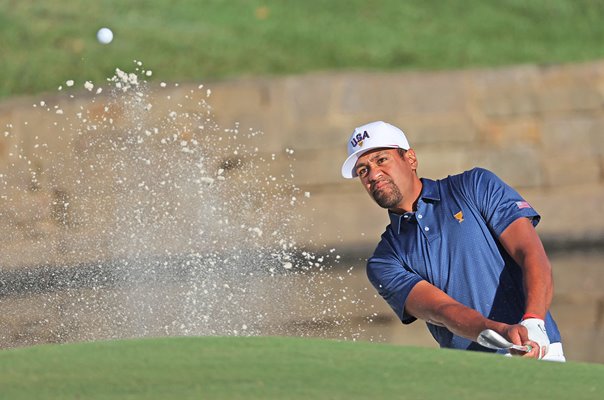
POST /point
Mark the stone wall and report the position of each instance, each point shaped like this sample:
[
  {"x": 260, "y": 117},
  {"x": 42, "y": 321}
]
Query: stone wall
[{"x": 541, "y": 128}]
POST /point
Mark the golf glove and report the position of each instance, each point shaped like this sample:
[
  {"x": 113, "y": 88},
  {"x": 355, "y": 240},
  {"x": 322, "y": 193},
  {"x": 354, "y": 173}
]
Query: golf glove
[{"x": 537, "y": 333}]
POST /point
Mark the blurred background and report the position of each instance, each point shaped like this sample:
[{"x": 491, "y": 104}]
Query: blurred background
[{"x": 183, "y": 179}]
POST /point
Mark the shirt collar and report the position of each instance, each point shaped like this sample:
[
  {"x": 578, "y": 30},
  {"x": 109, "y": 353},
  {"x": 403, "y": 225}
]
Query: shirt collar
[{"x": 430, "y": 192}]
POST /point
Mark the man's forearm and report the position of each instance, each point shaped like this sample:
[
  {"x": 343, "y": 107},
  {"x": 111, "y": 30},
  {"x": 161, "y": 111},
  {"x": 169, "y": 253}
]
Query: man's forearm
[
  {"x": 463, "y": 321},
  {"x": 538, "y": 286},
  {"x": 431, "y": 304},
  {"x": 523, "y": 244},
  {"x": 434, "y": 306}
]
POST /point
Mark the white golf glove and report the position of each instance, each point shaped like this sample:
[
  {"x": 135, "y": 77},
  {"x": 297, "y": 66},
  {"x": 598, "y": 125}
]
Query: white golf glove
[{"x": 537, "y": 333}]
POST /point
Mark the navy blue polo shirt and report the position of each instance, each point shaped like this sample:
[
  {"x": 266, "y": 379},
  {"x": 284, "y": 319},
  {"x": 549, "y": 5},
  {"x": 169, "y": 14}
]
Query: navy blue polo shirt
[{"x": 451, "y": 241}]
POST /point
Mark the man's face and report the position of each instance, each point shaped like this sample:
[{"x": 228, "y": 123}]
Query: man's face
[{"x": 389, "y": 177}]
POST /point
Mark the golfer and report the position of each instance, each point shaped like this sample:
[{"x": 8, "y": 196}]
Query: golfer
[{"x": 460, "y": 253}]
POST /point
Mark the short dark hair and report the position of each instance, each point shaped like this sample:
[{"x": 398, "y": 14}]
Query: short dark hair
[{"x": 401, "y": 152}]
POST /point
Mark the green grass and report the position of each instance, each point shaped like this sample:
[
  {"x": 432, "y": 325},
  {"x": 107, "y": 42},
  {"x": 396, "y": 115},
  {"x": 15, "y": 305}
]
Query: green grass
[
  {"x": 282, "y": 368},
  {"x": 47, "y": 42}
]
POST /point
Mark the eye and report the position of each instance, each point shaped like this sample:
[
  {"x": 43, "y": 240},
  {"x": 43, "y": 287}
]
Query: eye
[
  {"x": 381, "y": 160},
  {"x": 362, "y": 171}
]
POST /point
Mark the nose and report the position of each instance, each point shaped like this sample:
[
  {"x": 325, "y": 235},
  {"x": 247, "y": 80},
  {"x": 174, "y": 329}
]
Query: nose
[{"x": 374, "y": 174}]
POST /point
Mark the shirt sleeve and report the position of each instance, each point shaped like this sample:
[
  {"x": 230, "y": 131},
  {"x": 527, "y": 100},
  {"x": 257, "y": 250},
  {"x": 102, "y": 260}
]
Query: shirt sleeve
[
  {"x": 499, "y": 204},
  {"x": 392, "y": 281}
]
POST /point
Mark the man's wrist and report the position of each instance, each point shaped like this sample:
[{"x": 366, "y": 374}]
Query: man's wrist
[
  {"x": 532, "y": 316},
  {"x": 498, "y": 327}
]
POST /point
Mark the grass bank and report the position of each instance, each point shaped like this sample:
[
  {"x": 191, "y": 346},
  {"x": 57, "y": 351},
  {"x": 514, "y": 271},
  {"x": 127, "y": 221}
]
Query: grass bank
[
  {"x": 282, "y": 368},
  {"x": 45, "y": 43}
]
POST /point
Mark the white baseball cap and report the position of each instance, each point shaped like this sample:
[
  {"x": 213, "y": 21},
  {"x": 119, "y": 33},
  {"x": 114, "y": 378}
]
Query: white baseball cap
[{"x": 373, "y": 135}]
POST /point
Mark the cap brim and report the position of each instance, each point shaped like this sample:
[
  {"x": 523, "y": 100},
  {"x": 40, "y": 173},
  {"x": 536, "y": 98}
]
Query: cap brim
[{"x": 348, "y": 166}]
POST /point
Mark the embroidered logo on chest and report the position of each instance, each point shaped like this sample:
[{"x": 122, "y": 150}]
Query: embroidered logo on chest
[{"x": 459, "y": 217}]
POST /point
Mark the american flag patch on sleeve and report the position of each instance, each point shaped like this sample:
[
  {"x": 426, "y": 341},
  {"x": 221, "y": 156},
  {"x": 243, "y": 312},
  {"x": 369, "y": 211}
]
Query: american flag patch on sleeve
[{"x": 523, "y": 204}]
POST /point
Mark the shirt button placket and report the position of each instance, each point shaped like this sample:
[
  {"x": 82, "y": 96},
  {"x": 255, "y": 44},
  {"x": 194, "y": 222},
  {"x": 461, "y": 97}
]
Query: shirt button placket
[
  {"x": 420, "y": 222},
  {"x": 420, "y": 218}
]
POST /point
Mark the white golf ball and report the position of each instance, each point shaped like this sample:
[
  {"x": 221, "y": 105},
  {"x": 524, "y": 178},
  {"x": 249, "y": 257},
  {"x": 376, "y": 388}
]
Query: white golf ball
[{"x": 104, "y": 35}]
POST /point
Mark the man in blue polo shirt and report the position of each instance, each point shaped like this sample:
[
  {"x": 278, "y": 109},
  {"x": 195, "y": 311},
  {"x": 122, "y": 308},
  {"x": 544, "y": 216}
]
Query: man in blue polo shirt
[{"x": 460, "y": 253}]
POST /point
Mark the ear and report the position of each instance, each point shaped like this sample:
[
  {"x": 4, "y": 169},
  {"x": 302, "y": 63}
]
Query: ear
[{"x": 411, "y": 158}]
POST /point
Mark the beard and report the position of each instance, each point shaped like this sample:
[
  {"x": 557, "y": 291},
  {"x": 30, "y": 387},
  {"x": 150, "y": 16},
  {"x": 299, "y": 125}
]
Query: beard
[{"x": 388, "y": 196}]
